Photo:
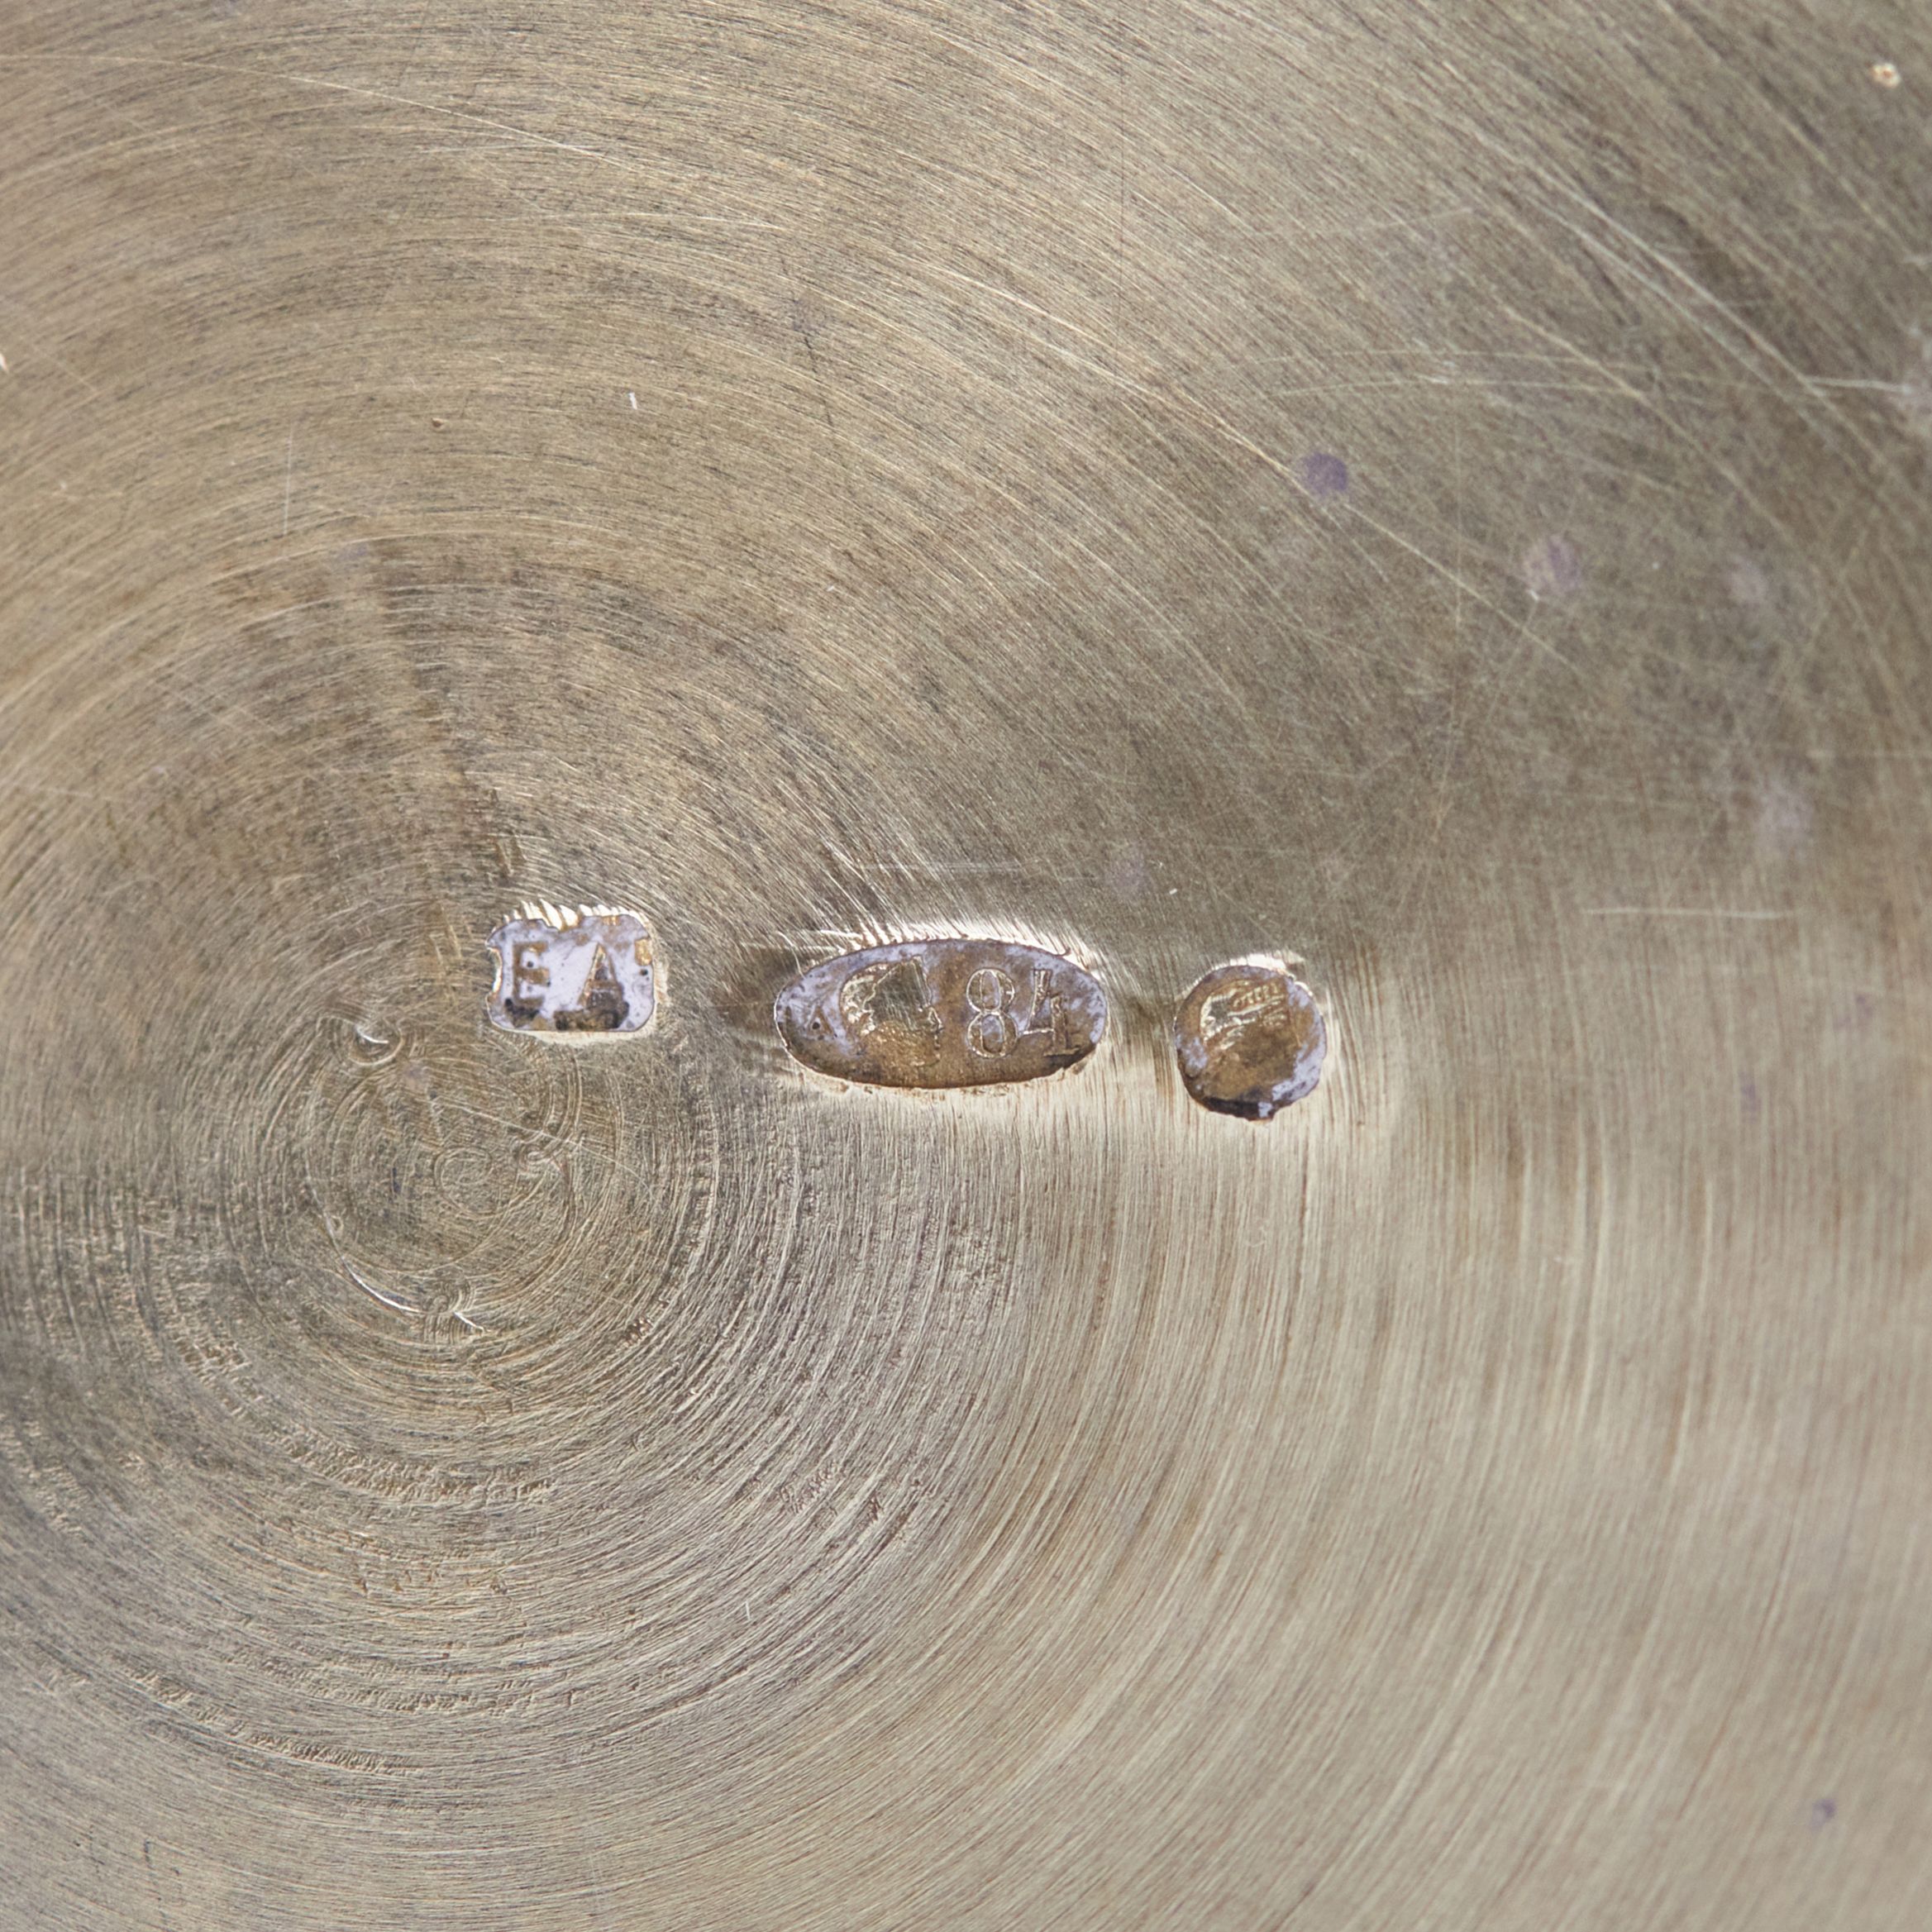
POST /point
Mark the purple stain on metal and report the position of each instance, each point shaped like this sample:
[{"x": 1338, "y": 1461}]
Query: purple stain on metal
[
  {"x": 1553, "y": 568},
  {"x": 1748, "y": 584},
  {"x": 1323, "y": 475}
]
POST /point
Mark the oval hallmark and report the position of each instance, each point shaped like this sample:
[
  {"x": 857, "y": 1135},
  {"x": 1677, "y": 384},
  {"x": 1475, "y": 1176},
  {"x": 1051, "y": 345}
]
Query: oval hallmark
[{"x": 943, "y": 1013}]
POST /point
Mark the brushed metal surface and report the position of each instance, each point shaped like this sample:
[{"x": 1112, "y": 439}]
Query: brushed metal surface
[{"x": 1433, "y": 492}]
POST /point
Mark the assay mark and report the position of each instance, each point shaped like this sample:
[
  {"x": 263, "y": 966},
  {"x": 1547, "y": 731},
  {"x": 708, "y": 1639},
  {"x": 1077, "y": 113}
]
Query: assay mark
[
  {"x": 559, "y": 970},
  {"x": 1250, "y": 1040},
  {"x": 943, "y": 1013}
]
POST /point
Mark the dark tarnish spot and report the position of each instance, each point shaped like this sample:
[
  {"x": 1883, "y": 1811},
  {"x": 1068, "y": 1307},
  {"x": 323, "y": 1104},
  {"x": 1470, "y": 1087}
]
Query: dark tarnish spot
[
  {"x": 598, "y": 1014},
  {"x": 943, "y": 1013},
  {"x": 1250, "y": 1041}
]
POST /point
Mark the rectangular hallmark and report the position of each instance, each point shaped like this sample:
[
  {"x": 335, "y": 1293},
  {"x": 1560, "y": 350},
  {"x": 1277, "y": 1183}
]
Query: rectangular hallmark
[{"x": 560, "y": 971}]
